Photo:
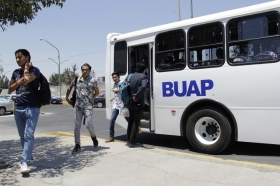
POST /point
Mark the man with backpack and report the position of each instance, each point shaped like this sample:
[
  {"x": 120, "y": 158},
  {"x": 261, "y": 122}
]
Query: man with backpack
[
  {"x": 118, "y": 104},
  {"x": 86, "y": 91},
  {"x": 25, "y": 81},
  {"x": 137, "y": 85}
]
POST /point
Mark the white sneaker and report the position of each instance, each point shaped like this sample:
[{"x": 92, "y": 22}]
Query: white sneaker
[{"x": 24, "y": 168}]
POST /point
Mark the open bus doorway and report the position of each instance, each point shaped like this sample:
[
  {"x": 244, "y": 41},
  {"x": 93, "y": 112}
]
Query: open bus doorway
[{"x": 142, "y": 54}]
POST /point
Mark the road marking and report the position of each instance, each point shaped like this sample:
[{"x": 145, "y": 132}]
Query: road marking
[
  {"x": 247, "y": 163},
  {"x": 109, "y": 130},
  {"x": 12, "y": 115},
  {"x": 6, "y": 116},
  {"x": 47, "y": 113}
]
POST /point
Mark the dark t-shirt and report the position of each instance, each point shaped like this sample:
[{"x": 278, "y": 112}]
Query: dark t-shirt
[{"x": 27, "y": 93}]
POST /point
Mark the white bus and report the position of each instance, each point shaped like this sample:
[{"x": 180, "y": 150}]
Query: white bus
[{"x": 212, "y": 78}]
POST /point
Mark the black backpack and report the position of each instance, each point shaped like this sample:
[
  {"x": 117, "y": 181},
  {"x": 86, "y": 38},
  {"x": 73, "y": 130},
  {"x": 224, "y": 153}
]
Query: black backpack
[{"x": 44, "y": 91}]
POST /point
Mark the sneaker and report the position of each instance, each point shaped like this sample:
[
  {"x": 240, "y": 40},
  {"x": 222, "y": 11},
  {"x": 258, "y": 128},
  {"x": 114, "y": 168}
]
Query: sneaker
[
  {"x": 109, "y": 140},
  {"x": 95, "y": 141},
  {"x": 24, "y": 168},
  {"x": 76, "y": 149}
]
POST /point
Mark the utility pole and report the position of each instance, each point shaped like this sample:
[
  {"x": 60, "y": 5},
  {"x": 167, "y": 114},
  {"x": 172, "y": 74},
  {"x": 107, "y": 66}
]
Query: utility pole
[
  {"x": 59, "y": 78},
  {"x": 179, "y": 11},
  {"x": 191, "y": 9}
]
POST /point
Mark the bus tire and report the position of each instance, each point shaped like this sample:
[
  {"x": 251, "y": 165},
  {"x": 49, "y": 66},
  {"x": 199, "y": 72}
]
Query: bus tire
[{"x": 209, "y": 131}]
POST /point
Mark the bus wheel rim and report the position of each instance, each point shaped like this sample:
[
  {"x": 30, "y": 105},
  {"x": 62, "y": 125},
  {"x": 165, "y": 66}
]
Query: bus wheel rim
[{"x": 207, "y": 130}]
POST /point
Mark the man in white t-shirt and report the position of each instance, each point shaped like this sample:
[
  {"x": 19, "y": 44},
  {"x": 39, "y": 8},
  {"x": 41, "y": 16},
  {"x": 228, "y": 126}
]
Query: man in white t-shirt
[{"x": 118, "y": 104}]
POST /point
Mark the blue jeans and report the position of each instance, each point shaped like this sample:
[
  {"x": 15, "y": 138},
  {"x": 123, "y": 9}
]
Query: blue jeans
[
  {"x": 26, "y": 120},
  {"x": 115, "y": 113}
]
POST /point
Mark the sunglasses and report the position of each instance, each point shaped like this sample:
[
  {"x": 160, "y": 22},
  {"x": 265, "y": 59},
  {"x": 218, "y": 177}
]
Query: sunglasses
[{"x": 85, "y": 70}]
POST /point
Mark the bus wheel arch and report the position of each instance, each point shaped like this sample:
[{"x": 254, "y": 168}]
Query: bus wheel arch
[{"x": 212, "y": 110}]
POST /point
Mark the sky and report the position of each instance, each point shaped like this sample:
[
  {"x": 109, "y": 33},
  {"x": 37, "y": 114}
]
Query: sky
[{"x": 79, "y": 29}]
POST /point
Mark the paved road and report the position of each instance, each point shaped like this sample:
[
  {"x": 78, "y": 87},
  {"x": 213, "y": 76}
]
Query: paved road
[{"x": 60, "y": 118}]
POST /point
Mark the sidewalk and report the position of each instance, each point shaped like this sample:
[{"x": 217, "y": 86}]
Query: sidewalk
[{"x": 116, "y": 164}]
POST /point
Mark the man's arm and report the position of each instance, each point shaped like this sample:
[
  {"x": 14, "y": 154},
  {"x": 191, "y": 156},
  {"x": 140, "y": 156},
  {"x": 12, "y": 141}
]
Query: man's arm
[
  {"x": 27, "y": 78},
  {"x": 13, "y": 86},
  {"x": 67, "y": 94},
  {"x": 141, "y": 89},
  {"x": 96, "y": 92}
]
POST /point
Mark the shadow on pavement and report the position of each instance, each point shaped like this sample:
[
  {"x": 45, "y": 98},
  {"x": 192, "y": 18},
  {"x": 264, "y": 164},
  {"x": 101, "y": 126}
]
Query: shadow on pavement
[
  {"x": 182, "y": 143},
  {"x": 176, "y": 142},
  {"x": 253, "y": 149},
  {"x": 51, "y": 158}
]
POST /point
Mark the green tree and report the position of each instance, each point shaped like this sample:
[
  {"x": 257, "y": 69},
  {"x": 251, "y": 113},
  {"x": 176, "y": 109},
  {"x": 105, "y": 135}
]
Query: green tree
[
  {"x": 74, "y": 68},
  {"x": 22, "y": 11},
  {"x": 4, "y": 82},
  {"x": 54, "y": 79},
  {"x": 68, "y": 75}
]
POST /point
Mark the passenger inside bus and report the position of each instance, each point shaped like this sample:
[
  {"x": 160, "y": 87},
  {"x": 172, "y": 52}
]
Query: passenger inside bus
[
  {"x": 220, "y": 57},
  {"x": 179, "y": 61},
  {"x": 265, "y": 53},
  {"x": 133, "y": 61}
]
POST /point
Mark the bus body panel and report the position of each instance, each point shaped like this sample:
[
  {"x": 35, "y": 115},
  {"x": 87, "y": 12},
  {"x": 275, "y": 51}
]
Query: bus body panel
[
  {"x": 262, "y": 127},
  {"x": 168, "y": 122},
  {"x": 230, "y": 89}
]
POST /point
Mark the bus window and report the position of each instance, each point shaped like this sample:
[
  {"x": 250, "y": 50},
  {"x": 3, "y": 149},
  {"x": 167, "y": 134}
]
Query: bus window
[
  {"x": 170, "y": 51},
  {"x": 120, "y": 57},
  {"x": 253, "y": 40},
  {"x": 206, "y": 46},
  {"x": 136, "y": 54}
]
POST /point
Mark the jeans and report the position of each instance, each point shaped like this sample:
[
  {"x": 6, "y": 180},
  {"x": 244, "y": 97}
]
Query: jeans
[
  {"x": 26, "y": 120},
  {"x": 135, "y": 114},
  {"x": 88, "y": 114},
  {"x": 115, "y": 113}
]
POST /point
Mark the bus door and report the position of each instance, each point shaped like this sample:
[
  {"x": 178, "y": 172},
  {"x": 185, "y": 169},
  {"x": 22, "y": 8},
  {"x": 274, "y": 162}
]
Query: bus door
[{"x": 143, "y": 53}]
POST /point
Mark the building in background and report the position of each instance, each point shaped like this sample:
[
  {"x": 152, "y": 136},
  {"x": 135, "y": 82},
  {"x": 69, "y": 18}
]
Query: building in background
[{"x": 101, "y": 84}]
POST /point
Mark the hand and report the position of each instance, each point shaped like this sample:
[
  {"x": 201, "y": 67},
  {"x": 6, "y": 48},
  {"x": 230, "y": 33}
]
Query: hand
[
  {"x": 111, "y": 99},
  {"x": 69, "y": 101},
  {"x": 134, "y": 99},
  {"x": 28, "y": 65},
  {"x": 115, "y": 90},
  {"x": 22, "y": 81}
]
